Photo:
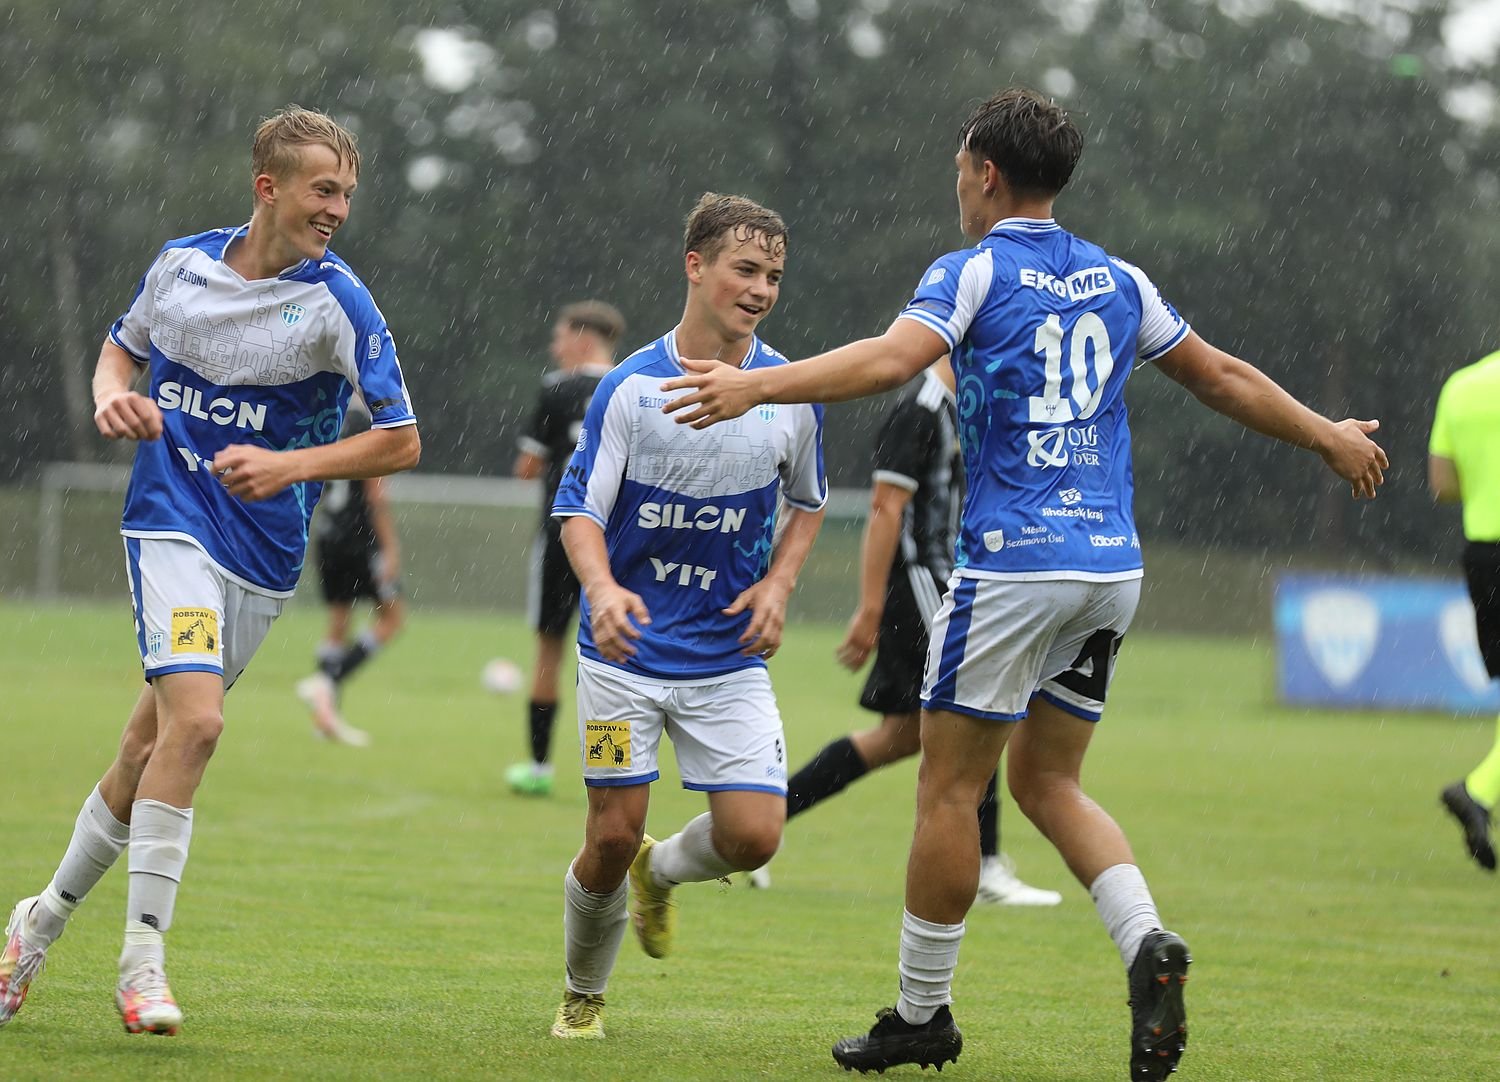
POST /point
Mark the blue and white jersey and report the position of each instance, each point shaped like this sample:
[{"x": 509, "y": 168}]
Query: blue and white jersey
[
  {"x": 689, "y": 517},
  {"x": 1044, "y": 329},
  {"x": 270, "y": 362}
]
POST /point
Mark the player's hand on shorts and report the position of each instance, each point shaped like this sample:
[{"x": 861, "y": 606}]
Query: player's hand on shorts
[
  {"x": 766, "y": 601},
  {"x": 252, "y": 473},
  {"x": 859, "y": 640},
  {"x": 1356, "y": 458},
  {"x": 716, "y": 392},
  {"x": 127, "y": 415},
  {"x": 616, "y": 617}
]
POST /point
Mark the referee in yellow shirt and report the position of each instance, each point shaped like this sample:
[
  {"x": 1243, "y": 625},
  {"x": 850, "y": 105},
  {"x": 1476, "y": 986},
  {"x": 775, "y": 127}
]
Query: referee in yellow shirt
[{"x": 1463, "y": 465}]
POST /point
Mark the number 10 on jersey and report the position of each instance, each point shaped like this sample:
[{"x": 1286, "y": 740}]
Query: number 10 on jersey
[{"x": 1089, "y": 362}]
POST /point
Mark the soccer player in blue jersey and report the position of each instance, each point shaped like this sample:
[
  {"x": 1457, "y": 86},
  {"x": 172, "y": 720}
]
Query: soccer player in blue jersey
[
  {"x": 251, "y": 341},
  {"x": 686, "y": 571},
  {"x": 1044, "y": 328}
]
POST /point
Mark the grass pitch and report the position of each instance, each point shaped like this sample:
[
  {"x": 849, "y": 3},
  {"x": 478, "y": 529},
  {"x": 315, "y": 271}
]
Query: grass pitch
[{"x": 396, "y": 913}]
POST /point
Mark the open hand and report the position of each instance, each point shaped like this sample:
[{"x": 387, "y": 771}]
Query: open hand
[{"x": 716, "y": 392}]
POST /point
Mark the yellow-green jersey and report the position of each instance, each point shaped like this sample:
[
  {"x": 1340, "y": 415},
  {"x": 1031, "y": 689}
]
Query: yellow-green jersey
[{"x": 1466, "y": 430}]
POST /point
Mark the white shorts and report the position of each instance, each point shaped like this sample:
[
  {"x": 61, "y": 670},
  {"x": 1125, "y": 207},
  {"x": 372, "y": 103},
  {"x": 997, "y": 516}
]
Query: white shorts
[
  {"x": 996, "y": 643},
  {"x": 727, "y": 734},
  {"x": 189, "y": 616}
]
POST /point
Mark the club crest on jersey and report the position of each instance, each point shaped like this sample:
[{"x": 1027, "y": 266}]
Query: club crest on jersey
[
  {"x": 766, "y": 412},
  {"x": 291, "y": 314}
]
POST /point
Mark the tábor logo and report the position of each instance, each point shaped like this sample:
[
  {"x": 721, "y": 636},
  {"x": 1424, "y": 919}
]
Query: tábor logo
[{"x": 291, "y": 314}]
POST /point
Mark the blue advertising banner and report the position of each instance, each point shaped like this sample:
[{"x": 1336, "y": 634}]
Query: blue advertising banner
[{"x": 1379, "y": 642}]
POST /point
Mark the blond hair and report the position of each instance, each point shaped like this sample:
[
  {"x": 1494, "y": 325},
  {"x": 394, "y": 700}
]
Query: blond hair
[{"x": 280, "y": 137}]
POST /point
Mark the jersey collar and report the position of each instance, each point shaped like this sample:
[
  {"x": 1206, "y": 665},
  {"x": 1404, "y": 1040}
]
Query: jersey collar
[
  {"x": 1024, "y": 226},
  {"x": 239, "y": 231},
  {"x": 676, "y": 358}
]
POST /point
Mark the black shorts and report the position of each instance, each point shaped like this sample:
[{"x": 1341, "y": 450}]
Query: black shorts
[
  {"x": 894, "y": 685},
  {"x": 552, "y": 588},
  {"x": 348, "y": 575},
  {"x": 1482, "y": 570}
]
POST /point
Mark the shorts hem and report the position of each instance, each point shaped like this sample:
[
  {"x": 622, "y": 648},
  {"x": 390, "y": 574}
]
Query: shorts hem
[
  {"x": 1070, "y": 708},
  {"x": 168, "y": 670},
  {"x": 611, "y": 783},
  {"x": 733, "y": 787},
  {"x": 971, "y": 711}
]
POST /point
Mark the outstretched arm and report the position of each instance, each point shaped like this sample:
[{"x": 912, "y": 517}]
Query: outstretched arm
[
  {"x": 721, "y": 391},
  {"x": 1245, "y": 394}
]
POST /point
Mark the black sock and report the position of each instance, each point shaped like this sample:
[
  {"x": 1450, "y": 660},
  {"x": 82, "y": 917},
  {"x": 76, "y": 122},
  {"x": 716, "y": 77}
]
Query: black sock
[
  {"x": 354, "y": 655},
  {"x": 541, "y": 715},
  {"x": 989, "y": 819},
  {"x": 827, "y": 773}
]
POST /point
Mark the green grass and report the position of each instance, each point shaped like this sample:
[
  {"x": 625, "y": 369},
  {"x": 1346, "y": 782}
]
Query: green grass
[{"x": 395, "y": 913}]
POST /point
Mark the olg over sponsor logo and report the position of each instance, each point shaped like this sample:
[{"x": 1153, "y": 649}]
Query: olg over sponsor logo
[
  {"x": 1054, "y": 448},
  {"x": 221, "y": 411},
  {"x": 681, "y": 516},
  {"x": 1078, "y": 286}
]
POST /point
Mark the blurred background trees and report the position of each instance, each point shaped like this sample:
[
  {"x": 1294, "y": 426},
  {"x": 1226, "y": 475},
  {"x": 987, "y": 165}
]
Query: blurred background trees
[{"x": 1314, "y": 190}]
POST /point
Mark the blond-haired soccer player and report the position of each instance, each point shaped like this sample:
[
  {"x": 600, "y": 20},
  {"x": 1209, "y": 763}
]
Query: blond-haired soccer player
[
  {"x": 673, "y": 534},
  {"x": 251, "y": 340},
  {"x": 1044, "y": 328}
]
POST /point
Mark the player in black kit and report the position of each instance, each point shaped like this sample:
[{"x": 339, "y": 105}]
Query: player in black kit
[
  {"x": 583, "y": 348},
  {"x": 905, "y": 560},
  {"x": 359, "y": 557}
]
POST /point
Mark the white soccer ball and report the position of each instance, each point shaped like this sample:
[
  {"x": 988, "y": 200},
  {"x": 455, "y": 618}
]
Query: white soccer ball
[{"x": 501, "y": 675}]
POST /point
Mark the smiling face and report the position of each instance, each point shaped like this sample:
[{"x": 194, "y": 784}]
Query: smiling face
[
  {"x": 739, "y": 286},
  {"x": 307, "y": 206}
]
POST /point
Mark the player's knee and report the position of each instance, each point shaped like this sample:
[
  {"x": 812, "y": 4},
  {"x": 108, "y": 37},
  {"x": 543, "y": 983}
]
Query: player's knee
[
  {"x": 614, "y": 845},
  {"x": 748, "y": 845},
  {"x": 199, "y": 730},
  {"x": 1036, "y": 794},
  {"x": 135, "y": 750}
]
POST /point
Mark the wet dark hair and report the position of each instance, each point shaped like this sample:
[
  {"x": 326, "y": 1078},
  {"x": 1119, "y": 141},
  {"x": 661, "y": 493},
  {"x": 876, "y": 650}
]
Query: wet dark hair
[
  {"x": 1031, "y": 140},
  {"x": 715, "y": 218}
]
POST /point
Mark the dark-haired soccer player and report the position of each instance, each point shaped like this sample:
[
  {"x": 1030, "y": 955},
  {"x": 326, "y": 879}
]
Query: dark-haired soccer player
[
  {"x": 252, "y": 340},
  {"x": 583, "y": 349},
  {"x": 673, "y": 534},
  {"x": 1044, "y": 328}
]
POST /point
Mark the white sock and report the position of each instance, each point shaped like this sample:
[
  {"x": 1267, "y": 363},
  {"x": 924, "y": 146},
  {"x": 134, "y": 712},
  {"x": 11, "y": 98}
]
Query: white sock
[
  {"x": 929, "y": 955},
  {"x": 689, "y": 855},
  {"x": 98, "y": 840},
  {"x": 159, "y": 835},
  {"x": 143, "y": 945},
  {"x": 1125, "y": 906},
  {"x": 593, "y": 926}
]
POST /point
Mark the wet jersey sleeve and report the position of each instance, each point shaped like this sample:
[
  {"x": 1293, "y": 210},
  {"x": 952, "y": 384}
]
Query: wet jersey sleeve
[
  {"x": 804, "y": 481},
  {"x": 592, "y": 481},
  {"x": 1161, "y": 326},
  {"x": 132, "y": 331},
  {"x": 951, "y": 292},
  {"x": 904, "y": 445}
]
